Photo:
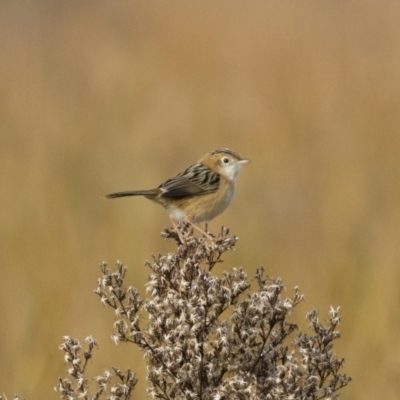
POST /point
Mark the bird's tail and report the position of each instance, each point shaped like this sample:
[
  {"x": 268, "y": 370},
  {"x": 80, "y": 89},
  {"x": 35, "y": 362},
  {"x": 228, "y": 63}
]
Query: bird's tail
[{"x": 132, "y": 193}]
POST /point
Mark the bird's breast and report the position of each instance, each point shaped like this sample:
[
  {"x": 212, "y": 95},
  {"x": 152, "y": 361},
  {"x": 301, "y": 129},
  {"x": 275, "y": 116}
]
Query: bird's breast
[{"x": 212, "y": 204}]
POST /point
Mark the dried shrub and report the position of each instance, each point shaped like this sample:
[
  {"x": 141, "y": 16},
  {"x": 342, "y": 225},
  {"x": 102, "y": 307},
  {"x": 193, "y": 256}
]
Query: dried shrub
[{"x": 210, "y": 337}]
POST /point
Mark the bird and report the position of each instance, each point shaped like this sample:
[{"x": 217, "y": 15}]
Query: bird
[{"x": 199, "y": 193}]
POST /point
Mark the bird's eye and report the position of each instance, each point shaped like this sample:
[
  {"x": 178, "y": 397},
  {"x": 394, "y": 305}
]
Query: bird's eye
[{"x": 225, "y": 160}]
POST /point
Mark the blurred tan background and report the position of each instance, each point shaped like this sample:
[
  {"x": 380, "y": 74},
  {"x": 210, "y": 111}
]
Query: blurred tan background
[{"x": 97, "y": 97}]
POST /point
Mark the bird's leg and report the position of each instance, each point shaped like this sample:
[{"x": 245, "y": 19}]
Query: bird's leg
[
  {"x": 177, "y": 230},
  {"x": 200, "y": 230}
]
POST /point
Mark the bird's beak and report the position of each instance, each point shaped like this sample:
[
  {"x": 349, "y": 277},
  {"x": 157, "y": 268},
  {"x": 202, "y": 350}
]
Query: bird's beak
[{"x": 243, "y": 161}]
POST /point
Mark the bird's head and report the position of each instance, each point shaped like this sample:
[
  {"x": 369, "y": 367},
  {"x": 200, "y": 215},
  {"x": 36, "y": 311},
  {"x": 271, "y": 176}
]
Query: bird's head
[{"x": 225, "y": 162}]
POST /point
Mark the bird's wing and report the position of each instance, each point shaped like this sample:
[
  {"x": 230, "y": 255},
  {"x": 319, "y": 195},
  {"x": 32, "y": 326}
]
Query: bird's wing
[{"x": 195, "y": 180}]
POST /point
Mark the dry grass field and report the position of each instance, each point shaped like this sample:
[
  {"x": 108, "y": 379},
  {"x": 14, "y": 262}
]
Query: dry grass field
[{"x": 97, "y": 97}]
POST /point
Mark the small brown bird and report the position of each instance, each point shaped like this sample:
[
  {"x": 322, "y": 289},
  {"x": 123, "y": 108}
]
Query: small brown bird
[{"x": 199, "y": 193}]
